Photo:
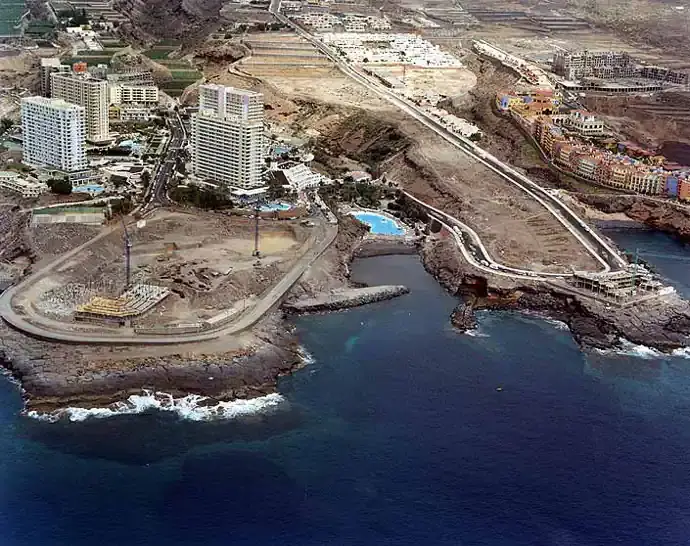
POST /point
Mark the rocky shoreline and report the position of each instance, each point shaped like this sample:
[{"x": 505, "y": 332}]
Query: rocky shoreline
[
  {"x": 54, "y": 376},
  {"x": 662, "y": 215},
  {"x": 663, "y": 324}
]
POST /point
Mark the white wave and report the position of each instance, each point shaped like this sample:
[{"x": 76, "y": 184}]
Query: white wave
[
  {"x": 628, "y": 348},
  {"x": 189, "y": 407},
  {"x": 306, "y": 356},
  {"x": 476, "y": 332},
  {"x": 558, "y": 324},
  {"x": 683, "y": 352}
]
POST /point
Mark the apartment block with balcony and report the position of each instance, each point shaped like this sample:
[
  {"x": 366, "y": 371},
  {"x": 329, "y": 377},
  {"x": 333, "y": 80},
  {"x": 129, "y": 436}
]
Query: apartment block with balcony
[
  {"x": 227, "y": 137},
  {"x": 54, "y": 134},
  {"x": 90, "y": 93},
  {"x": 133, "y": 94}
]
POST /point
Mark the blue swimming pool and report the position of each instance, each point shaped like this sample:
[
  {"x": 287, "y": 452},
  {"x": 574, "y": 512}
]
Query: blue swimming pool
[
  {"x": 270, "y": 207},
  {"x": 379, "y": 224},
  {"x": 89, "y": 188}
]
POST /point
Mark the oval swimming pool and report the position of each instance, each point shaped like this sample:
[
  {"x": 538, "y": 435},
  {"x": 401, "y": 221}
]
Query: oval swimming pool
[
  {"x": 271, "y": 207},
  {"x": 379, "y": 224}
]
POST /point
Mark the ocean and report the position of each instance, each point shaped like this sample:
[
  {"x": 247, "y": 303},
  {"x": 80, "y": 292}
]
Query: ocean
[{"x": 399, "y": 431}]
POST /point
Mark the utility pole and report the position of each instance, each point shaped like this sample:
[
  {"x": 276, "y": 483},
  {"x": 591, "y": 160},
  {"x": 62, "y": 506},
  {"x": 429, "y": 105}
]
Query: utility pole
[
  {"x": 128, "y": 251},
  {"x": 257, "y": 210}
]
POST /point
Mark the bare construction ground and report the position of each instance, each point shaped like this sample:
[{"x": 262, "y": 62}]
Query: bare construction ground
[
  {"x": 350, "y": 124},
  {"x": 205, "y": 259}
]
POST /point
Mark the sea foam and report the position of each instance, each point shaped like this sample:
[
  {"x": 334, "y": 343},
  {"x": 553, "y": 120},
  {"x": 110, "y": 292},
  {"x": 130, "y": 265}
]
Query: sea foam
[
  {"x": 306, "y": 356},
  {"x": 189, "y": 407},
  {"x": 683, "y": 352},
  {"x": 628, "y": 348}
]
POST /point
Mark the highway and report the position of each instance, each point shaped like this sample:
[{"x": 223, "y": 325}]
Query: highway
[{"x": 602, "y": 251}]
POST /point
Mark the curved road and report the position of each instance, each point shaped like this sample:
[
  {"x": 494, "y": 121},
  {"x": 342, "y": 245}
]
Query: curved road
[
  {"x": 604, "y": 253},
  {"x": 477, "y": 247},
  {"x": 322, "y": 241}
]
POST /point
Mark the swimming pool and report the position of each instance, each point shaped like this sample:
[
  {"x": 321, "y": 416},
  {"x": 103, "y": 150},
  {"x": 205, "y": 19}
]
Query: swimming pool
[
  {"x": 89, "y": 188},
  {"x": 270, "y": 207},
  {"x": 379, "y": 224}
]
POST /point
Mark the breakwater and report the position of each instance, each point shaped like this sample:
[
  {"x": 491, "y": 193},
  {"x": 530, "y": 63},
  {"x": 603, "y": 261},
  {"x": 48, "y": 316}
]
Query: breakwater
[{"x": 346, "y": 298}]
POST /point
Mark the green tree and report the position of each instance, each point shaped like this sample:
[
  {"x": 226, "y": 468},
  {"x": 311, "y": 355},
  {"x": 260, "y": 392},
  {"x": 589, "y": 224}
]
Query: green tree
[
  {"x": 61, "y": 186},
  {"x": 5, "y": 125},
  {"x": 145, "y": 178}
]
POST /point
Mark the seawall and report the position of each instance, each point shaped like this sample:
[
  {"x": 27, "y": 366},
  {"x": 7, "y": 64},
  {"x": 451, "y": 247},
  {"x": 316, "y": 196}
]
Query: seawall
[{"x": 345, "y": 298}]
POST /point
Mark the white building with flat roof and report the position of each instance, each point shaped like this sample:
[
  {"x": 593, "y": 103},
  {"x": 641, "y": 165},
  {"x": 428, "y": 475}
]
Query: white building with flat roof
[
  {"x": 12, "y": 181},
  {"x": 227, "y": 137},
  {"x": 133, "y": 94},
  {"x": 54, "y": 133},
  {"x": 92, "y": 95},
  {"x": 226, "y": 101},
  {"x": 298, "y": 176}
]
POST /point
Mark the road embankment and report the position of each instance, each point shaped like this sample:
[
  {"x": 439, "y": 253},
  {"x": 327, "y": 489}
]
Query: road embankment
[
  {"x": 662, "y": 323},
  {"x": 345, "y": 298}
]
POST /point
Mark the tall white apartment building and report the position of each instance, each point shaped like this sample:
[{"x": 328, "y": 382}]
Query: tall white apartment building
[
  {"x": 50, "y": 65},
  {"x": 133, "y": 94},
  {"x": 54, "y": 132},
  {"x": 227, "y": 137},
  {"x": 89, "y": 93}
]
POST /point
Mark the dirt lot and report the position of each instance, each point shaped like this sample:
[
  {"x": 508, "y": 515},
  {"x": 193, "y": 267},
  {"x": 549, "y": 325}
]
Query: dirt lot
[
  {"x": 348, "y": 123},
  {"x": 204, "y": 258}
]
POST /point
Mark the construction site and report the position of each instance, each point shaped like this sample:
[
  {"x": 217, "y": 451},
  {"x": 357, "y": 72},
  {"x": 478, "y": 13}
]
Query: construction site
[{"x": 171, "y": 273}]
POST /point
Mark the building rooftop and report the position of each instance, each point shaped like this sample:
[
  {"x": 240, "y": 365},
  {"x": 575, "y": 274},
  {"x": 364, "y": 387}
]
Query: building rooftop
[{"x": 55, "y": 103}]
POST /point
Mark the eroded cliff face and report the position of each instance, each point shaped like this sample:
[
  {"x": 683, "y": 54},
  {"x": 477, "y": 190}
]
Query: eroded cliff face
[
  {"x": 660, "y": 323},
  {"x": 169, "y": 19},
  {"x": 668, "y": 217}
]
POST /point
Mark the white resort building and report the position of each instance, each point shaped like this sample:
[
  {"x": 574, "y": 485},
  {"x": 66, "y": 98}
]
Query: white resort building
[
  {"x": 54, "y": 133},
  {"x": 227, "y": 137},
  {"x": 12, "y": 181}
]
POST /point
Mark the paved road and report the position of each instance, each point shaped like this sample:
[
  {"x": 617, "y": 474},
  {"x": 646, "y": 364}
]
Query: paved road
[
  {"x": 157, "y": 194},
  {"x": 602, "y": 251},
  {"x": 323, "y": 237},
  {"x": 474, "y": 250}
]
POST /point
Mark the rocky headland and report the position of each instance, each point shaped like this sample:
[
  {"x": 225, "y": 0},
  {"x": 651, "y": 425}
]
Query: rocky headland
[
  {"x": 662, "y": 323},
  {"x": 54, "y": 376}
]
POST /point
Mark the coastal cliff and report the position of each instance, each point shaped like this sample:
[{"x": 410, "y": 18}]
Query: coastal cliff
[
  {"x": 660, "y": 323},
  {"x": 54, "y": 375},
  {"x": 665, "y": 216}
]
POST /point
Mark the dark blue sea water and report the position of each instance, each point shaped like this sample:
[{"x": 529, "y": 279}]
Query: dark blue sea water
[{"x": 396, "y": 434}]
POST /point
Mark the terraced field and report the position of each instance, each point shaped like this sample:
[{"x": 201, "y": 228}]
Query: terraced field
[
  {"x": 183, "y": 73},
  {"x": 276, "y": 54},
  {"x": 10, "y": 13},
  {"x": 93, "y": 58}
]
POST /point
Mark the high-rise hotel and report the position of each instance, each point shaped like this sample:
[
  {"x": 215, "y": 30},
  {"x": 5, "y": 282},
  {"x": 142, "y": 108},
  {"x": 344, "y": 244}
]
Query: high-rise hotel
[
  {"x": 87, "y": 92},
  {"x": 227, "y": 137},
  {"x": 54, "y": 132}
]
